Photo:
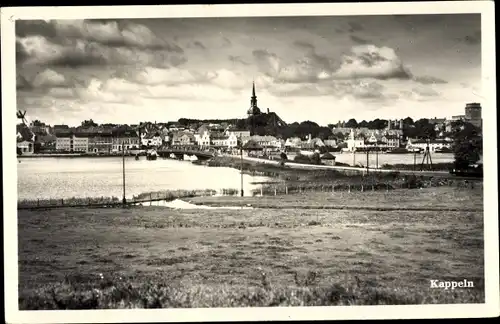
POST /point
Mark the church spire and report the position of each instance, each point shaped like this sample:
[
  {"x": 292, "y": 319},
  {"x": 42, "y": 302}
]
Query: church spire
[{"x": 253, "y": 100}]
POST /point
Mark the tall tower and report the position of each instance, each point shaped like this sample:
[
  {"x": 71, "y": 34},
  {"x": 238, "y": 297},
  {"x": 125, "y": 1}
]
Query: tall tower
[
  {"x": 253, "y": 111},
  {"x": 473, "y": 114},
  {"x": 253, "y": 100}
]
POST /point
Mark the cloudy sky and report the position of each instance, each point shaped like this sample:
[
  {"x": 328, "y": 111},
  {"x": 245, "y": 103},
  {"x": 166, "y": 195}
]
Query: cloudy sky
[{"x": 322, "y": 69}]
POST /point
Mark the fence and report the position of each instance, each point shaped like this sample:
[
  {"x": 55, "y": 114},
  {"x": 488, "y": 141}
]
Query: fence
[
  {"x": 275, "y": 189},
  {"x": 299, "y": 188},
  {"x": 149, "y": 197}
]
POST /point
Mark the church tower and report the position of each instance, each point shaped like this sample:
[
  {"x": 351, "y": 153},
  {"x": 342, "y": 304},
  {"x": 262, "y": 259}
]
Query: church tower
[{"x": 254, "y": 109}]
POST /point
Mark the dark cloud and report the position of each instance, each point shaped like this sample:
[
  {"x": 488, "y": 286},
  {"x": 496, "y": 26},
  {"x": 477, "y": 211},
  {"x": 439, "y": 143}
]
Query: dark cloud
[
  {"x": 355, "y": 27},
  {"x": 76, "y": 53},
  {"x": 429, "y": 80},
  {"x": 238, "y": 59},
  {"x": 42, "y": 81},
  {"x": 21, "y": 54},
  {"x": 25, "y": 28},
  {"x": 199, "y": 45},
  {"x": 112, "y": 33},
  {"x": 22, "y": 83},
  {"x": 359, "y": 40},
  {"x": 304, "y": 45}
]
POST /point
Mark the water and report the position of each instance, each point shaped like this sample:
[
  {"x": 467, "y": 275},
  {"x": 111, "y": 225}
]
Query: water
[
  {"x": 360, "y": 158},
  {"x": 46, "y": 178}
]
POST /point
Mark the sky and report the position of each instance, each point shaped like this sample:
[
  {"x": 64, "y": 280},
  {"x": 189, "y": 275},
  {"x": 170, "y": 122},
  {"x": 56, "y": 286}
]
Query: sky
[{"x": 318, "y": 68}]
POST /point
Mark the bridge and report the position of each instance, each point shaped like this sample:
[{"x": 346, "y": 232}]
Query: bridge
[{"x": 201, "y": 154}]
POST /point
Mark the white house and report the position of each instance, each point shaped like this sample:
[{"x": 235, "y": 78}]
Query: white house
[
  {"x": 433, "y": 144},
  {"x": 293, "y": 142},
  {"x": 151, "y": 139},
  {"x": 25, "y": 140},
  {"x": 203, "y": 139},
  {"x": 354, "y": 142},
  {"x": 63, "y": 143}
]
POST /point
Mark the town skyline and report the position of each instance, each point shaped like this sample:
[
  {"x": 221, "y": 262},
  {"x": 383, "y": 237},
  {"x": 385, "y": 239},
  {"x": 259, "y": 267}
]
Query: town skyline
[{"x": 322, "y": 69}]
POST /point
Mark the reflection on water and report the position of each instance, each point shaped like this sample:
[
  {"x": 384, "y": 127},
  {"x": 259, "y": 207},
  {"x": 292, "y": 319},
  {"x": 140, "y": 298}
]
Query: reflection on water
[
  {"x": 95, "y": 177},
  {"x": 180, "y": 204}
]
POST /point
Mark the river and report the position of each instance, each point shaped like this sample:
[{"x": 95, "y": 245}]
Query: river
[{"x": 46, "y": 178}]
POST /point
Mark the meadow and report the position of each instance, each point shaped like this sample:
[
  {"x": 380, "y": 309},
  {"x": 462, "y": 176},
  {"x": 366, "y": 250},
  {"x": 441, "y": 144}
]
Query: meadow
[{"x": 151, "y": 257}]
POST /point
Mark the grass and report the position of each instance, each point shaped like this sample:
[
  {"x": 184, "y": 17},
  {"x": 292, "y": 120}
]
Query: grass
[
  {"x": 426, "y": 198},
  {"x": 156, "y": 257}
]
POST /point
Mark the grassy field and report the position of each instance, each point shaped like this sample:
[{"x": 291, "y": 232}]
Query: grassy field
[
  {"x": 150, "y": 257},
  {"x": 425, "y": 199}
]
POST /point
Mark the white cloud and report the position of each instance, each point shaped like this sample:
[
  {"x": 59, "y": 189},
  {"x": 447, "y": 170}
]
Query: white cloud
[{"x": 370, "y": 61}]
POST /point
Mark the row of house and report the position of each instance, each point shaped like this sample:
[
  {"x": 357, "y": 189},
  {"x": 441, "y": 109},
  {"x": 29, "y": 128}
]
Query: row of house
[{"x": 388, "y": 141}]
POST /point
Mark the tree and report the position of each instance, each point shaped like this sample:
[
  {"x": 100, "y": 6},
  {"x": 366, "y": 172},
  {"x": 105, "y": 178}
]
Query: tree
[
  {"x": 467, "y": 145},
  {"x": 89, "y": 123},
  {"x": 315, "y": 158},
  {"x": 364, "y": 123},
  {"x": 408, "y": 121},
  {"x": 352, "y": 123}
]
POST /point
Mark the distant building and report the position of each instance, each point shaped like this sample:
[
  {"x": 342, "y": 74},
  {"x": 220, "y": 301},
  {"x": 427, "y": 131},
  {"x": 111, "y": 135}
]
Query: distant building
[
  {"x": 433, "y": 144},
  {"x": 183, "y": 138},
  {"x": 473, "y": 114},
  {"x": 25, "y": 140},
  {"x": 72, "y": 143},
  {"x": 330, "y": 142},
  {"x": 355, "y": 142}
]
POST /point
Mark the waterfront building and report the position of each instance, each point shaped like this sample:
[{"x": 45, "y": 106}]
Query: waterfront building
[
  {"x": 183, "y": 138},
  {"x": 433, "y": 144},
  {"x": 64, "y": 142},
  {"x": 266, "y": 141},
  {"x": 80, "y": 143},
  {"x": 72, "y": 143},
  {"x": 25, "y": 141},
  {"x": 392, "y": 141},
  {"x": 151, "y": 139},
  {"x": 293, "y": 142},
  {"x": 355, "y": 142},
  {"x": 100, "y": 143},
  {"x": 238, "y": 132}
]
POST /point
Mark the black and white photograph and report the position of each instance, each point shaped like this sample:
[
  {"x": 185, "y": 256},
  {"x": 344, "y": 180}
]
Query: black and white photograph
[{"x": 212, "y": 161}]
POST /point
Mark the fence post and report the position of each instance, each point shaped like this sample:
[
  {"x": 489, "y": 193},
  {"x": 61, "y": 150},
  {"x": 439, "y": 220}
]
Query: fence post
[
  {"x": 300, "y": 189},
  {"x": 373, "y": 187},
  {"x": 387, "y": 187},
  {"x": 286, "y": 190},
  {"x": 275, "y": 191},
  {"x": 62, "y": 202},
  {"x": 362, "y": 188},
  {"x": 261, "y": 191},
  {"x": 38, "y": 202},
  {"x": 333, "y": 188},
  {"x": 349, "y": 188}
]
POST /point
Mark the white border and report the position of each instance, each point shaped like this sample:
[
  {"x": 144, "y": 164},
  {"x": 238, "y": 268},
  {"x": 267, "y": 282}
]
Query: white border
[{"x": 490, "y": 309}]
